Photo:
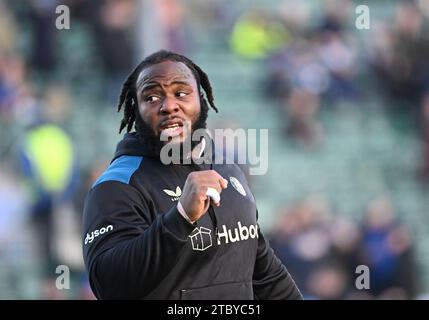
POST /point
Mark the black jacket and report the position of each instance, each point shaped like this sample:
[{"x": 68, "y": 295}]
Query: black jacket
[{"x": 137, "y": 245}]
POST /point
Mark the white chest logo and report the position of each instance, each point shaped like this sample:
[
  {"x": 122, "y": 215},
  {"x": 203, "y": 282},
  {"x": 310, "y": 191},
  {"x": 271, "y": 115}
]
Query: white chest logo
[
  {"x": 237, "y": 186},
  {"x": 174, "y": 195},
  {"x": 201, "y": 239}
]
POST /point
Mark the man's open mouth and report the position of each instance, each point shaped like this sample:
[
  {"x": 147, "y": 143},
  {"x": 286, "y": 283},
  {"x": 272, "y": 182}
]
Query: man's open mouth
[{"x": 171, "y": 128}]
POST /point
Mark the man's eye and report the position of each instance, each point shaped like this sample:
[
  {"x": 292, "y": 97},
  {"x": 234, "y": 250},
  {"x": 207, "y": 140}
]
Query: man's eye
[
  {"x": 152, "y": 99},
  {"x": 181, "y": 94}
]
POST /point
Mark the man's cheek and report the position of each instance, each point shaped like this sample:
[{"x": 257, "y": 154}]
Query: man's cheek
[
  {"x": 152, "y": 123},
  {"x": 195, "y": 119}
]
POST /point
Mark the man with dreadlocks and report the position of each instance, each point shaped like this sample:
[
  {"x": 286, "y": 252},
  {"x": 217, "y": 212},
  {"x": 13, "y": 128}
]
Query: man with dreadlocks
[{"x": 153, "y": 230}]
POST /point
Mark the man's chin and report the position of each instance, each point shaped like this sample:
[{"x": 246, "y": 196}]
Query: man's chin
[{"x": 174, "y": 140}]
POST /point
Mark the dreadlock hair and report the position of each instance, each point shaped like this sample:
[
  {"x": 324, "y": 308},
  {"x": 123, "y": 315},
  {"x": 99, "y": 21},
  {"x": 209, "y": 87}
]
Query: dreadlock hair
[{"x": 128, "y": 96}]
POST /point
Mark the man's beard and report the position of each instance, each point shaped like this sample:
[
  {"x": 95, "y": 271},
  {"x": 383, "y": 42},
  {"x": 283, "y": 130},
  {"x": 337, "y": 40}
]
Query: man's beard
[{"x": 153, "y": 143}]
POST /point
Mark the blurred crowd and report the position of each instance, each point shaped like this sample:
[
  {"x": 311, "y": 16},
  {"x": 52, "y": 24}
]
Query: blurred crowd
[
  {"x": 313, "y": 64},
  {"x": 309, "y": 64},
  {"x": 323, "y": 251}
]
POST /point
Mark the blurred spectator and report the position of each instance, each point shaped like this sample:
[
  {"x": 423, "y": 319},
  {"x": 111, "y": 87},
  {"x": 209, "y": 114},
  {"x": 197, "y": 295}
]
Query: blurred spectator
[
  {"x": 44, "y": 46},
  {"x": 172, "y": 15},
  {"x": 257, "y": 34},
  {"x": 346, "y": 238},
  {"x": 388, "y": 250},
  {"x": 302, "y": 124},
  {"x": 297, "y": 80},
  {"x": 336, "y": 15},
  {"x": 49, "y": 163},
  {"x": 328, "y": 282},
  {"x": 13, "y": 252},
  {"x": 399, "y": 57},
  {"x": 113, "y": 34},
  {"x": 340, "y": 60},
  {"x": 16, "y": 94},
  {"x": 8, "y": 30}
]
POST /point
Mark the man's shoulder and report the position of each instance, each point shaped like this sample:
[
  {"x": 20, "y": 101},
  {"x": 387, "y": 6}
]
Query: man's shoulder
[{"x": 120, "y": 170}]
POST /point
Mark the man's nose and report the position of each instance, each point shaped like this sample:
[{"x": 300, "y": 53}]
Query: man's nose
[{"x": 169, "y": 105}]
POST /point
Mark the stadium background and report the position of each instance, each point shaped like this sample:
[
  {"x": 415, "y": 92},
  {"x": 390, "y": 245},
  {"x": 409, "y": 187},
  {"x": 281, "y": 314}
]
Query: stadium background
[{"x": 347, "y": 112}]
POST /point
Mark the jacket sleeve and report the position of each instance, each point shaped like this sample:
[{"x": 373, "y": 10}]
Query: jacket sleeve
[
  {"x": 128, "y": 248},
  {"x": 271, "y": 280}
]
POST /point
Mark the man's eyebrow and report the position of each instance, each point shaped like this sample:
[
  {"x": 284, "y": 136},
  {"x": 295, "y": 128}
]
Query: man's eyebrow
[
  {"x": 152, "y": 85},
  {"x": 185, "y": 83}
]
